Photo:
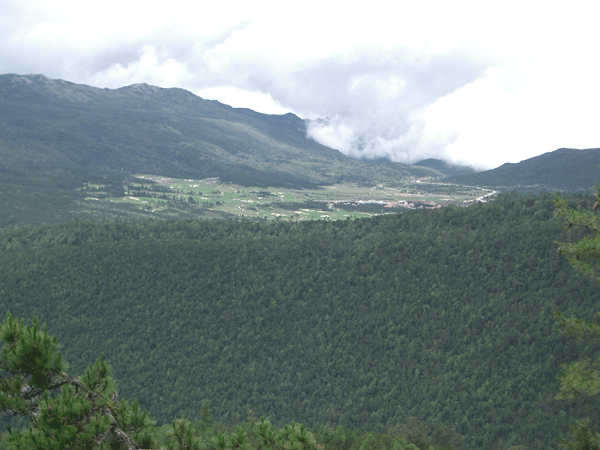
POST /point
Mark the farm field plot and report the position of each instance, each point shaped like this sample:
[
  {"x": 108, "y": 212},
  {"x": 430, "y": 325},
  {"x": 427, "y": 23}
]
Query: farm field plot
[{"x": 162, "y": 195}]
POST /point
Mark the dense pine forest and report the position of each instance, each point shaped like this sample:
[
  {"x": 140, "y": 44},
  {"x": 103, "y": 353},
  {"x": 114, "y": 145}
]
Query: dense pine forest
[{"x": 433, "y": 326}]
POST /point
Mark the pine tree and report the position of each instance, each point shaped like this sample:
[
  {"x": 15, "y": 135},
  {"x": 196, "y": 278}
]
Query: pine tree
[
  {"x": 206, "y": 416},
  {"x": 293, "y": 436},
  {"x": 64, "y": 412},
  {"x": 581, "y": 378}
]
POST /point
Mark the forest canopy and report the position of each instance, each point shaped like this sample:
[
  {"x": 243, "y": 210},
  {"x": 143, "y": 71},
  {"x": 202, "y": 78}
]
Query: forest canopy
[{"x": 443, "y": 318}]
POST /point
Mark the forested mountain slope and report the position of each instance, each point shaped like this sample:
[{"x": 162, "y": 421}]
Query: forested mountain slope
[
  {"x": 168, "y": 132},
  {"x": 444, "y": 315}
]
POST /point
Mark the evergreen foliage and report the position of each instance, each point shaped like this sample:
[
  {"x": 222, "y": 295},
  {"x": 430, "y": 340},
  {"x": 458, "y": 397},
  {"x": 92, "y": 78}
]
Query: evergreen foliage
[
  {"x": 445, "y": 316},
  {"x": 581, "y": 378},
  {"x": 64, "y": 412}
]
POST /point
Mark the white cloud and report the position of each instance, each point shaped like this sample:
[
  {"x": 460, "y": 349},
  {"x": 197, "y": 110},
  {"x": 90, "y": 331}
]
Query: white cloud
[
  {"x": 239, "y": 98},
  {"x": 333, "y": 133},
  {"x": 474, "y": 82},
  {"x": 151, "y": 67}
]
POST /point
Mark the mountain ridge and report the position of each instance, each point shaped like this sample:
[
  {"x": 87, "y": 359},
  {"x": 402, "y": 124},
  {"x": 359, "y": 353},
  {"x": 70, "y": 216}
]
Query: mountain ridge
[
  {"x": 170, "y": 131},
  {"x": 565, "y": 169},
  {"x": 142, "y": 128}
]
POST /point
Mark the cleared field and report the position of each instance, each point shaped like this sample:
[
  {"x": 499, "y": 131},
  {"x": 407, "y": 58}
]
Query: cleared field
[{"x": 159, "y": 195}]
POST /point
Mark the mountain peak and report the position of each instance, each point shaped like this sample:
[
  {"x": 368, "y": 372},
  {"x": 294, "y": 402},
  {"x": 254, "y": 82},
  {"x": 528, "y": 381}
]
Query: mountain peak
[{"x": 142, "y": 88}]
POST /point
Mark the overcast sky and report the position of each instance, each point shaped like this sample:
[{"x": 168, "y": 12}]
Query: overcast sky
[{"x": 481, "y": 83}]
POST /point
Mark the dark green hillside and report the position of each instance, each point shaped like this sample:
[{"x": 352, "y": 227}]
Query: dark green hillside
[
  {"x": 567, "y": 170},
  {"x": 443, "y": 315},
  {"x": 171, "y": 132},
  {"x": 444, "y": 167}
]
